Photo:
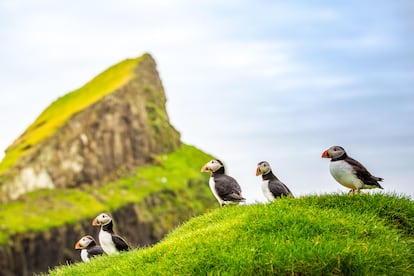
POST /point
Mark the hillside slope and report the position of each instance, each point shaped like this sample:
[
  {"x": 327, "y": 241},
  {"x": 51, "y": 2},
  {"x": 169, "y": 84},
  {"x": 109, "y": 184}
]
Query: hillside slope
[{"x": 313, "y": 235}]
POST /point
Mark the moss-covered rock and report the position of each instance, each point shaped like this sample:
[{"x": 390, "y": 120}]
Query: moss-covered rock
[{"x": 114, "y": 123}]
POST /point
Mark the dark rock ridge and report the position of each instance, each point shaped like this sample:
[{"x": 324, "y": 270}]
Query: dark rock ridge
[
  {"x": 141, "y": 224},
  {"x": 125, "y": 129}
]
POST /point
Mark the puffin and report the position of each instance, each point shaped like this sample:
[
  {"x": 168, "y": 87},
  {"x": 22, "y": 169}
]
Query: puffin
[
  {"x": 110, "y": 242},
  {"x": 272, "y": 187},
  {"x": 224, "y": 188},
  {"x": 349, "y": 172},
  {"x": 88, "y": 247}
]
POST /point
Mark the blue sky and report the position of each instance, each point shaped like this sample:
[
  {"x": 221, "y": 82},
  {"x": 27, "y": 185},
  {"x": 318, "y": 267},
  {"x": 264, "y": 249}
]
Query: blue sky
[{"x": 245, "y": 80}]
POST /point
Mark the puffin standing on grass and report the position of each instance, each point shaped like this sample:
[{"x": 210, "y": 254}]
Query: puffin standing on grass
[
  {"x": 110, "y": 242},
  {"x": 349, "y": 172},
  {"x": 88, "y": 248},
  {"x": 225, "y": 188},
  {"x": 272, "y": 187}
]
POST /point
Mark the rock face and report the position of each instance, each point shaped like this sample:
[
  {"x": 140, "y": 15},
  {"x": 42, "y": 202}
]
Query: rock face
[
  {"x": 125, "y": 129},
  {"x": 102, "y": 142},
  {"x": 141, "y": 224}
]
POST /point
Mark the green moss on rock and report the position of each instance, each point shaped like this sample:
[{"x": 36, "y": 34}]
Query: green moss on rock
[{"x": 43, "y": 209}]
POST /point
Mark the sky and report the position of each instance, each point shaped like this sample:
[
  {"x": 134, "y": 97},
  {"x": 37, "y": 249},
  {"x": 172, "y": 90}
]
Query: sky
[{"x": 245, "y": 81}]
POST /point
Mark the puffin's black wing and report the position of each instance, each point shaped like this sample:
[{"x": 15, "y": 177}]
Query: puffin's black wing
[
  {"x": 362, "y": 173},
  {"x": 227, "y": 188},
  {"x": 95, "y": 250},
  {"x": 277, "y": 188},
  {"x": 120, "y": 243},
  {"x": 286, "y": 187}
]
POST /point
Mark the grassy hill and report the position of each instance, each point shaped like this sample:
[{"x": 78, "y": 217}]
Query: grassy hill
[
  {"x": 40, "y": 210},
  {"x": 312, "y": 235}
]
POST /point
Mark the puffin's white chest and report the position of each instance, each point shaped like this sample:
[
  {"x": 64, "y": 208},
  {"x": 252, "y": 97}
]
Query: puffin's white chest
[
  {"x": 344, "y": 174},
  {"x": 105, "y": 239},
  {"x": 84, "y": 255},
  {"x": 212, "y": 185},
  {"x": 266, "y": 191}
]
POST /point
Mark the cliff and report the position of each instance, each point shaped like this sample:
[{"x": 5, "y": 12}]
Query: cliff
[
  {"x": 105, "y": 147},
  {"x": 117, "y": 130}
]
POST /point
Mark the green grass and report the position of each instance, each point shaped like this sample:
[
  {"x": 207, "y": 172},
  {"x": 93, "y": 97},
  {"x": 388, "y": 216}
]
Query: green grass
[
  {"x": 43, "y": 209},
  {"x": 312, "y": 235},
  {"x": 63, "y": 108}
]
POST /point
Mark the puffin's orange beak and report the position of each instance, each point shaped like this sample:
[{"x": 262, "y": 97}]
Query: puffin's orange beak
[
  {"x": 95, "y": 222},
  {"x": 257, "y": 171},
  {"x": 325, "y": 154},
  {"x": 205, "y": 168},
  {"x": 78, "y": 245}
]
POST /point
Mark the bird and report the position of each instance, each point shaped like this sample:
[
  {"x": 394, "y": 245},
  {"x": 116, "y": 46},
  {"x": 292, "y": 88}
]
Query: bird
[
  {"x": 110, "y": 242},
  {"x": 224, "y": 188},
  {"x": 272, "y": 187},
  {"x": 88, "y": 248},
  {"x": 349, "y": 172}
]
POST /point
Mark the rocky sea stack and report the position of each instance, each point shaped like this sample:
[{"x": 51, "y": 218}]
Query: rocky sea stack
[
  {"x": 118, "y": 129},
  {"x": 105, "y": 147}
]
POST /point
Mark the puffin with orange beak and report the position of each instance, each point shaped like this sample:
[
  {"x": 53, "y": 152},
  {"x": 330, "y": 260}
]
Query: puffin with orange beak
[
  {"x": 110, "y": 242},
  {"x": 88, "y": 247},
  {"x": 272, "y": 187},
  {"x": 349, "y": 172},
  {"x": 224, "y": 188}
]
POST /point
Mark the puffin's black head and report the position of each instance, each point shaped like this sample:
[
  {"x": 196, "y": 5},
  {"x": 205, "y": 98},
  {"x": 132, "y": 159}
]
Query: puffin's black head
[
  {"x": 101, "y": 219},
  {"x": 334, "y": 152},
  {"x": 213, "y": 166},
  {"x": 263, "y": 167},
  {"x": 84, "y": 242}
]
